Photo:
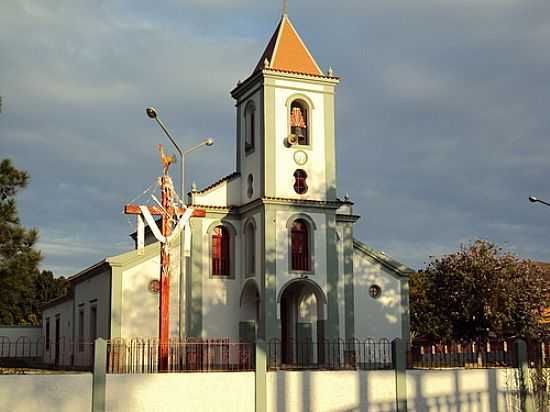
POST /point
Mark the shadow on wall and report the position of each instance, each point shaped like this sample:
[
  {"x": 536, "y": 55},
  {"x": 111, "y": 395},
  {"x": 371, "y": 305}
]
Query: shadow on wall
[{"x": 487, "y": 390}]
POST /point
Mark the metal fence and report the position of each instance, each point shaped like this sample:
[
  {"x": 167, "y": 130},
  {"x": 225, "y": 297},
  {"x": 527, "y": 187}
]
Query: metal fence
[
  {"x": 24, "y": 352},
  {"x": 141, "y": 355},
  {"x": 490, "y": 354},
  {"x": 368, "y": 354}
]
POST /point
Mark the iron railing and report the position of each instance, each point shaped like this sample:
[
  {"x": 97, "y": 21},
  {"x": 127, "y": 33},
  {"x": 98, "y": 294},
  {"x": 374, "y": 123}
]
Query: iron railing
[
  {"x": 141, "y": 355},
  {"x": 24, "y": 352},
  {"x": 367, "y": 354},
  {"x": 472, "y": 355}
]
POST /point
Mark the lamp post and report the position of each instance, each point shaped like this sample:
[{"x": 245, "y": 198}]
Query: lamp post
[
  {"x": 533, "y": 199},
  {"x": 153, "y": 114}
]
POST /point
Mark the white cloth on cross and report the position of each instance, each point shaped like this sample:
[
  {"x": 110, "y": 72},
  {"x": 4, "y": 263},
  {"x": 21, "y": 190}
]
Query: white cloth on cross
[{"x": 182, "y": 223}]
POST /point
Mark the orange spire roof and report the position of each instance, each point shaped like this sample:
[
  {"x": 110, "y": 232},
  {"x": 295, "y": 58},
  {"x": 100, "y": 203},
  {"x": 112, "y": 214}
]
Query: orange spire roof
[{"x": 287, "y": 52}]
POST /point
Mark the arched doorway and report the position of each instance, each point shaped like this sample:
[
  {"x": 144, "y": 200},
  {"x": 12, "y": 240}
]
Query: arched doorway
[
  {"x": 302, "y": 322},
  {"x": 249, "y": 311}
]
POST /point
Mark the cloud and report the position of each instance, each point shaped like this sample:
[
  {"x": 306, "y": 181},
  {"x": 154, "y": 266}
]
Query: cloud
[{"x": 441, "y": 120}]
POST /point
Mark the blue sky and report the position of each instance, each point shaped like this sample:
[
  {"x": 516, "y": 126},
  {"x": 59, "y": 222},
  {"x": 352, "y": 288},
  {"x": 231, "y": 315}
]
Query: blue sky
[{"x": 443, "y": 125}]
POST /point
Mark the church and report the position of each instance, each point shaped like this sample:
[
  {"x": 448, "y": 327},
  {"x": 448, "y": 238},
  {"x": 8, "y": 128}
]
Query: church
[{"x": 274, "y": 255}]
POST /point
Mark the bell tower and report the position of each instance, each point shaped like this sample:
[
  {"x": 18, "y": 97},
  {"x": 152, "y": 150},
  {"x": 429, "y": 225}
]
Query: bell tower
[{"x": 285, "y": 123}]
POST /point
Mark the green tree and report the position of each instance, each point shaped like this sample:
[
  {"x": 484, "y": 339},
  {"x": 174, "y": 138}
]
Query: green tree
[
  {"x": 23, "y": 288},
  {"x": 475, "y": 293}
]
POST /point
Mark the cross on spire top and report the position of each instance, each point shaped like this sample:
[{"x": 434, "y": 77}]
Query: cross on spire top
[{"x": 285, "y": 7}]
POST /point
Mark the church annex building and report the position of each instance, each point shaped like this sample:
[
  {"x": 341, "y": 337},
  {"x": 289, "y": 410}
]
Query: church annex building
[{"x": 274, "y": 255}]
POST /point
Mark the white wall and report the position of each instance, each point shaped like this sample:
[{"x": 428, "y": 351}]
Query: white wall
[
  {"x": 212, "y": 392},
  {"x": 46, "y": 393},
  {"x": 284, "y": 157},
  {"x": 221, "y": 295},
  {"x": 227, "y": 193},
  {"x": 63, "y": 311},
  {"x": 93, "y": 291},
  {"x": 140, "y": 306},
  {"x": 13, "y": 332},
  {"x": 331, "y": 391},
  {"x": 379, "y": 317},
  {"x": 472, "y": 390},
  {"x": 19, "y": 338}
]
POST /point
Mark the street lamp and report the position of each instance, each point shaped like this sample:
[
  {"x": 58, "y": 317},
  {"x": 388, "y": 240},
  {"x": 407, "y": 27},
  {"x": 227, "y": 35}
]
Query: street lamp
[
  {"x": 153, "y": 114},
  {"x": 533, "y": 199}
]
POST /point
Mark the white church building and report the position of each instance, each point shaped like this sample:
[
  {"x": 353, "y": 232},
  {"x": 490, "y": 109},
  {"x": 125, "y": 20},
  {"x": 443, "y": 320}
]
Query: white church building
[{"x": 274, "y": 256}]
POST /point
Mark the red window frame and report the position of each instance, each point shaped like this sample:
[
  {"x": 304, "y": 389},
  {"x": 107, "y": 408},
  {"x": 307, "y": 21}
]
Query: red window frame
[
  {"x": 300, "y": 185},
  {"x": 299, "y": 239},
  {"x": 220, "y": 252}
]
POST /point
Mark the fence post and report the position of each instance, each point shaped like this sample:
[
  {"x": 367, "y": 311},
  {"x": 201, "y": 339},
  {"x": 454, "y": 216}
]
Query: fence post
[
  {"x": 399, "y": 357},
  {"x": 99, "y": 378},
  {"x": 522, "y": 363},
  {"x": 260, "y": 377}
]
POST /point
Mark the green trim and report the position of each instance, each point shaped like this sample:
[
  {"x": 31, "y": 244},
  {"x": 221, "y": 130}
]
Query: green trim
[
  {"x": 99, "y": 379},
  {"x": 330, "y": 150},
  {"x": 260, "y": 377},
  {"x": 238, "y": 134},
  {"x": 116, "y": 301},
  {"x": 399, "y": 356},
  {"x": 332, "y": 327},
  {"x": 272, "y": 324},
  {"x": 196, "y": 277},
  {"x": 349, "y": 303},
  {"x": 270, "y": 169},
  {"x": 405, "y": 311}
]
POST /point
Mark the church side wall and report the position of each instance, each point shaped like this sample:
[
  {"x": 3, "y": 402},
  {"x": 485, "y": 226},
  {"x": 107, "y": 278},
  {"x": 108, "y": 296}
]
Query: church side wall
[
  {"x": 227, "y": 193},
  {"x": 64, "y": 312},
  {"x": 92, "y": 292},
  {"x": 140, "y": 306},
  {"x": 379, "y": 317},
  {"x": 220, "y": 295}
]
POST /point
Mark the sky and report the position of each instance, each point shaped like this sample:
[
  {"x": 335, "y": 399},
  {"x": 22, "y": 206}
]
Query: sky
[{"x": 442, "y": 114}]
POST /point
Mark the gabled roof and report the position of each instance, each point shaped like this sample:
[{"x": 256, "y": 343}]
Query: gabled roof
[
  {"x": 287, "y": 52},
  {"x": 387, "y": 261}
]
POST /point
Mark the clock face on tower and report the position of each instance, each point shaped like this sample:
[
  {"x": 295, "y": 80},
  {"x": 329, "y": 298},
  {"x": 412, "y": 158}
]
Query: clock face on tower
[{"x": 300, "y": 157}]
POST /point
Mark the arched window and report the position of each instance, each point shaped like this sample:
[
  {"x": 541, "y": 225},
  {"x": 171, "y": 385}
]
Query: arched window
[
  {"x": 220, "y": 252},
  {"x": 250, "y": 248},
  {"x": 250, "y": 129},
  {"x": 299, "y": 239},
  {"x": 299, "y": 121},
  {"x": 300, "y": 185}
]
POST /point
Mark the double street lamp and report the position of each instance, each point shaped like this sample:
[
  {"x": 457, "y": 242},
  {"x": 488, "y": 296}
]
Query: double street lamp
[
  {"x": 533, "y": 199},
  {"x": 153, "y": 114}
]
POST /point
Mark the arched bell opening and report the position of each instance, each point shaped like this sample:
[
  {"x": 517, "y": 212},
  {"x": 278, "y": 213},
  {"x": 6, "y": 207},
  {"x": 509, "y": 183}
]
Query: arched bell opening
[
  {"x": 302, "y": 323},
  {"x": 249, "y": 311}
]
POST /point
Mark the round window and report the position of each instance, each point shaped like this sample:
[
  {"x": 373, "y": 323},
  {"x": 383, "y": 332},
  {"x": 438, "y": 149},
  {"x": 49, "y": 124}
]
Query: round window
[
  {"x": 375, "y": 291},
  {"x": 154, "y": 286}
]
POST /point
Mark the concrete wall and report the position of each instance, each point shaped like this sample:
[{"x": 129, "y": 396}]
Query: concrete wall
[
  {"x": 472, "y": 390},
  {"x": 331, "y": 391},
  {"x": 217, "y": 391},
  {"x": 13, "y": 332},
  {"x": 452, "y": 390},
  {"x": 46, "y": 393},
  {"x": 379, "y": 317},
  {"x": 19, "y": 341}
]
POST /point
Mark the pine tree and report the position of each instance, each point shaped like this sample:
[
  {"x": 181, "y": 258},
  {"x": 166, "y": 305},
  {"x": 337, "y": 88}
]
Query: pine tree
[{"x": 18, "y": 258}]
